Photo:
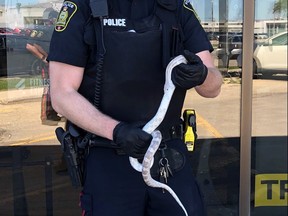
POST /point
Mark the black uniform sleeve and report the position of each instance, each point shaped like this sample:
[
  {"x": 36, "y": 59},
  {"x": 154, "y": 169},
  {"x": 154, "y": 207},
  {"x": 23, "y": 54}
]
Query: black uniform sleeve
[
  {"x": 195, "y": 37},
  {"x": 67, "y": 43}
]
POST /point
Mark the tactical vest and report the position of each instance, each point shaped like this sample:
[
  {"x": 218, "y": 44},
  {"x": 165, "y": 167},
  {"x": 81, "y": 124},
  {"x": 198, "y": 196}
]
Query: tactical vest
[{"x": 133, "y": 67}]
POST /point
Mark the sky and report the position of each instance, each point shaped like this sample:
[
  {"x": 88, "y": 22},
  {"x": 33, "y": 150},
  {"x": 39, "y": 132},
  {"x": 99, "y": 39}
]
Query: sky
[{"x": 263, "y": 8}]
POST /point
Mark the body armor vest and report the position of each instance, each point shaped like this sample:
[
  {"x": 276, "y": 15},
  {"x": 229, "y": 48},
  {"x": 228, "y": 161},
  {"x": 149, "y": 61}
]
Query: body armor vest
[{"x": 133, "y": 72}]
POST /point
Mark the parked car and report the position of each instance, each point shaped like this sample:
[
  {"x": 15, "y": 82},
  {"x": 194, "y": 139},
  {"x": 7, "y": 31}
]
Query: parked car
[
  {"x": 260, "y": 37},
  {"x": 213, "y": 35},
  {"x": 230, "y": 41},
  {"x": 15, "y": 58},
  {"x": 229, "y": 48},
  {"x": 4, "y": 30},
  {"x": 270, "y": 57}
]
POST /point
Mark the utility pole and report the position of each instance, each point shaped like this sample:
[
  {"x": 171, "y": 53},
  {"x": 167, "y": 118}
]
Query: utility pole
[
  {"x": 212, "y": 15},
  {"x": 212, "y": 11}
]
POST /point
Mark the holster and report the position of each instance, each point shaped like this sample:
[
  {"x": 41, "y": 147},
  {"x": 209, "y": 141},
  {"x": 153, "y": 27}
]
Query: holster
[{"x": 74, "y": 156}]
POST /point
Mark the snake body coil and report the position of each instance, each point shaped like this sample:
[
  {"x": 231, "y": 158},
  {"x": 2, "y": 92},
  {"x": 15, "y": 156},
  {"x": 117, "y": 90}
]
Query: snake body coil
[{"x": 151, "y": 127}]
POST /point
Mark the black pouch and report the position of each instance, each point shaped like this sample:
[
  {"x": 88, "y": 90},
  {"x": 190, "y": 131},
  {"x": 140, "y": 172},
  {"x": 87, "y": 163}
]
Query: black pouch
[{"x": 175, "y": 158}]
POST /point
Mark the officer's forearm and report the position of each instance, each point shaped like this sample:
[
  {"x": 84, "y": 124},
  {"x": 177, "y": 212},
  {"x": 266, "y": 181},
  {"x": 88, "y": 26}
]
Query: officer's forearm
[
  {"x": 82, "y": 113},
  {"x": 212, "y": 85},
  {"x": 64, "y": 83}
]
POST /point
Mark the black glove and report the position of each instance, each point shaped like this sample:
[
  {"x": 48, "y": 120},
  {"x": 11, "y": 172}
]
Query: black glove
[
  {"x": 132, "y": 139},
  {"x": 189, "y": 75}
]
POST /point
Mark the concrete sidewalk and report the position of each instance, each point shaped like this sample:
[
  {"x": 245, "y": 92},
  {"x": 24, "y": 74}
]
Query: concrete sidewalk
[{"x": 9, "y": 96}]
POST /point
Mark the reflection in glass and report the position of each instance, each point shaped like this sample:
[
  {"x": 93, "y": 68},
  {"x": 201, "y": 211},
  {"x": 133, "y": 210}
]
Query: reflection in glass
[{"x": 269, "y": 122}]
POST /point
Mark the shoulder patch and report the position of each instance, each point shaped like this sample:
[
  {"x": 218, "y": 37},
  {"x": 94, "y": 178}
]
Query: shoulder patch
[
  {"x": 68, "y": 9},
  {"x": 187, "y": 4}
]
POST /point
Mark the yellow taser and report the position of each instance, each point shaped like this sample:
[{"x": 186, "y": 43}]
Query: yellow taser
[{"x": 190, "y": 129}]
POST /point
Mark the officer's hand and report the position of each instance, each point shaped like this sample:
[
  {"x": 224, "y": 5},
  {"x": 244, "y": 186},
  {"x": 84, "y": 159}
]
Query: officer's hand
[
  {"x": 132, "y": 139},
  {"x": 189, "y": 75}
]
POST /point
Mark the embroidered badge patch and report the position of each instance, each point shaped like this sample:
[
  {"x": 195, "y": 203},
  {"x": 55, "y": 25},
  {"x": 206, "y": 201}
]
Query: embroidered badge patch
[
  {"x": 67, "y": 11},
  {"x": 187, "y": 4}
]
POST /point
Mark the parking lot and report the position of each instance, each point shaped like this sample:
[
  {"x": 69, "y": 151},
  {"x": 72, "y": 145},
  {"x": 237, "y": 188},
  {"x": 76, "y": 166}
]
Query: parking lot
[{"x": 219, "y": 117}]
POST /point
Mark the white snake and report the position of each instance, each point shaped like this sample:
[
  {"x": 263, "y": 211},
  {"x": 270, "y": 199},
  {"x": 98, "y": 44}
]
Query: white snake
[{"x": 150, "y": 128}]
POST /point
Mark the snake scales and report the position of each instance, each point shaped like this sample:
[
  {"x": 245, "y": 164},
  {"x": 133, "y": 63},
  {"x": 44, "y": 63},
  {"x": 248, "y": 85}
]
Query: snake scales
[{"x": 150, "y": 128}]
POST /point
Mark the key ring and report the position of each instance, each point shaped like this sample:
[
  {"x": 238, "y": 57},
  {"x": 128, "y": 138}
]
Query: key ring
[{"x": 161, "y": 163}]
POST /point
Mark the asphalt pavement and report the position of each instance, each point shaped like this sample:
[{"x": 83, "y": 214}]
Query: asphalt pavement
[{"x": 217, "y": 117}]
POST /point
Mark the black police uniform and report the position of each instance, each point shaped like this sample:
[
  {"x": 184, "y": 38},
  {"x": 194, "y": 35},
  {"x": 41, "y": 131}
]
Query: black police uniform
[{"x": 132, "y": 79}]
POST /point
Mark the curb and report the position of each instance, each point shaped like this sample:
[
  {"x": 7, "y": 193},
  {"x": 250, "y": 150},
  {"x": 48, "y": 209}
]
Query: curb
[{"x": 9, "y": 96}]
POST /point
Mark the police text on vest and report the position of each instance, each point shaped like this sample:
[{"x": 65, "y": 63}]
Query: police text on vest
[{"x": 114, "y": 22}]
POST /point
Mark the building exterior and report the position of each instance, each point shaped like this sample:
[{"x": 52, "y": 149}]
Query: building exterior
[{"x": 27, "y": 15}]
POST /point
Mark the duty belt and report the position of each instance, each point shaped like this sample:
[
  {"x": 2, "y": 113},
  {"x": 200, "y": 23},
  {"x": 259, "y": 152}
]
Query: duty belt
[{"x": 174, "y": 132}]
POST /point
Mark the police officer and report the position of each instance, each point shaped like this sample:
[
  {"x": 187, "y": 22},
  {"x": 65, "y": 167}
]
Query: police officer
[{"x": 107, "y": 76}]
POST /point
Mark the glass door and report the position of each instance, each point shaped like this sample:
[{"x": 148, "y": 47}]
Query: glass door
[{"x": 240, "y": 154}]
